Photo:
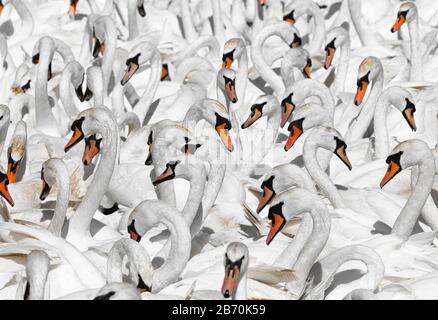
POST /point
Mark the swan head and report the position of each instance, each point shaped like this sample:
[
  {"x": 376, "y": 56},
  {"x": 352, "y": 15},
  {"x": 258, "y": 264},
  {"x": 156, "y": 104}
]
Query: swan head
[
  {"x": 296, "y": 58},
  {"x": 406, "y": 14},
  {"x": 139, "y": 55},
  {"x": 406, "y": 154},
  {"x": 264, "y": 105},
  {"x": 216, "y": 115},
  {"x": 233, "y": 48},
  {"x": 16, "y": 150},
  {"x": 295, "y": 95},
  {"x": 369, "y": 70},
  {"x": 330, "y": 139},
  {"x": 293, "y": 10},
  {"x": 305, "y": 118},
  {"x": 226, "y": 80},
  {"x": 52, "y": 171},
  {"x": 94, "y": 82},
  {"x": 403, "y": 100},
  {"x": 92, "y": 149},
  {"x": 335, "y": 38},
  {"x": 118, "y": 291},
  {"x": 236, "y": 262},
  {"x": 99, "y": 35},
  {"x": 181, "y": 169},
  {"x": 4, "y": 192},
  {"x": 287, "y": 206},
  {"x": 89, "y": 122}
]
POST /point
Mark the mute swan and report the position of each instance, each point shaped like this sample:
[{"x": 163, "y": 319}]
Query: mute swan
[
  {"x": 289, "y": 35},
  {"x": 16, "y": 151},
  {"x": 93, "y": 121},
  {"x": 37, "y": 268},
  {"x": 295, "y": 9},
  {"x": 146, "y": 215},
  {"x": 408, "y": 13}
]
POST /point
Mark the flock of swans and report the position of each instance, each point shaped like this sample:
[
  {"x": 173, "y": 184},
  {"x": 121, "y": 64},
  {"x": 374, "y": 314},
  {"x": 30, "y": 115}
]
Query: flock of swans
[{"x": 177, "y": 149}]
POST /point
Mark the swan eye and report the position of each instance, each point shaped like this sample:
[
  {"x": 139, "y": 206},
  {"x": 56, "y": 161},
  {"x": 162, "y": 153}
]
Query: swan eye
[
  {"x": 365, "y": 79},
  {"x": 394, "y": 158},
  {"x": 222, "y": 121},
  {"x": 258, "y": 106},
  {"x": 288, "y": 99},
  {"x": 230, "y": 81},
  {"x": 410, "y": 105},
  {"x": 297, "y": 42},
  {"x": 330, "y": 45},
  {"x": 402, "y": 13},
  {"x": 36, "y": 58},
  {"x": 290, "y": 17},
  {"x": 26, "y": 86},
  {"x": 1, "y": 117}
]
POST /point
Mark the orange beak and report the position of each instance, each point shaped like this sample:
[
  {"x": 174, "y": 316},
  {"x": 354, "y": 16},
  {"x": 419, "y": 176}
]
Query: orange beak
[
  {"x": 342, "y": 154},
  {"x": 276, "y": 225},
  {"x": 230, "y": 91},
  {"x": 132, "y": 68},
  {"x": 398, "y": 23},
  {"x": 75, "y": 139},
  {"x": 290, "y": 21},
  {"x": 263, "y": 2},
  {"x": 4, "y": 192},
  {"x": 168, "y": 174},
  {"x": 227, "y": 62},
  {"x": 360, "y": 93},
  {"x": 286, "y": 112},
  {"x": 92, "y": 148},
  {"x": 224, "y": 134},
  {"x": 231, "y": 279},
  {"x": 252, "y": 118},
  {"x": 329, "y": 57},
  {"x": 13, "y": 167},
  {"x": 391, "y": 172},
  {"x": 306, "y": 71},
  {"x": 133, "y": 233},
  {"x": 164, "y": 71},
  {"x": 268, "y": 194},
  {"x": 408, "y": 113},
  {"x": 295, "y": 133},
  {"x": 1, "y": 8},
  {"x": 72, "y": 8}
]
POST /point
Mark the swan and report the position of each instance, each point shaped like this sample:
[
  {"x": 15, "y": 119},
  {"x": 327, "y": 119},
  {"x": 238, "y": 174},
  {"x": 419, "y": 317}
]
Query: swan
[
  {"x": 16, "y": 151},
  {"x": 290, "y": 35},
  {"x": 287, "y": 206},
  {"x": 404, "y": 155},
  {"x": 408, "y": 13},
  {"x": 370, "y": 71},
  {"x": 338, "y": 40},
  {"x": 73, "y": 75},
  {"x": 331, "y": 263},
  {"x": 139, "y": 55},
  {"x": 295, "y": 9},
  {"x": 146, "y": 215},
  {"x": 236, "y": 264},
  {"x": 91, "y": 121}
]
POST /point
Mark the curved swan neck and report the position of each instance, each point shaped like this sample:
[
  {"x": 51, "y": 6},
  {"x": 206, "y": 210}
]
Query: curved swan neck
[
  {"x": 331, "y": 263},
  {"x": 321, "y": 179},
  {"x": 62, "y": 198},
  {"x": 319, "y": 31},
  {"x": 179, "y": 251},
  {"x": 260, "y": 63},
  {"x": 289, "y": 255},
  {"x": 382, "y": 147},
  {"x": 416, "y": 71},
  {"x": 341, "y": 74},
  {"x": 143, "y": 105},
  {"x": 312, "y": 248},
  {"x": 360, "y": 126},
  {"x": 80, "y": 222},
  {"x": 43, "y": 115},
  {"x": 407, "y": 218}
]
